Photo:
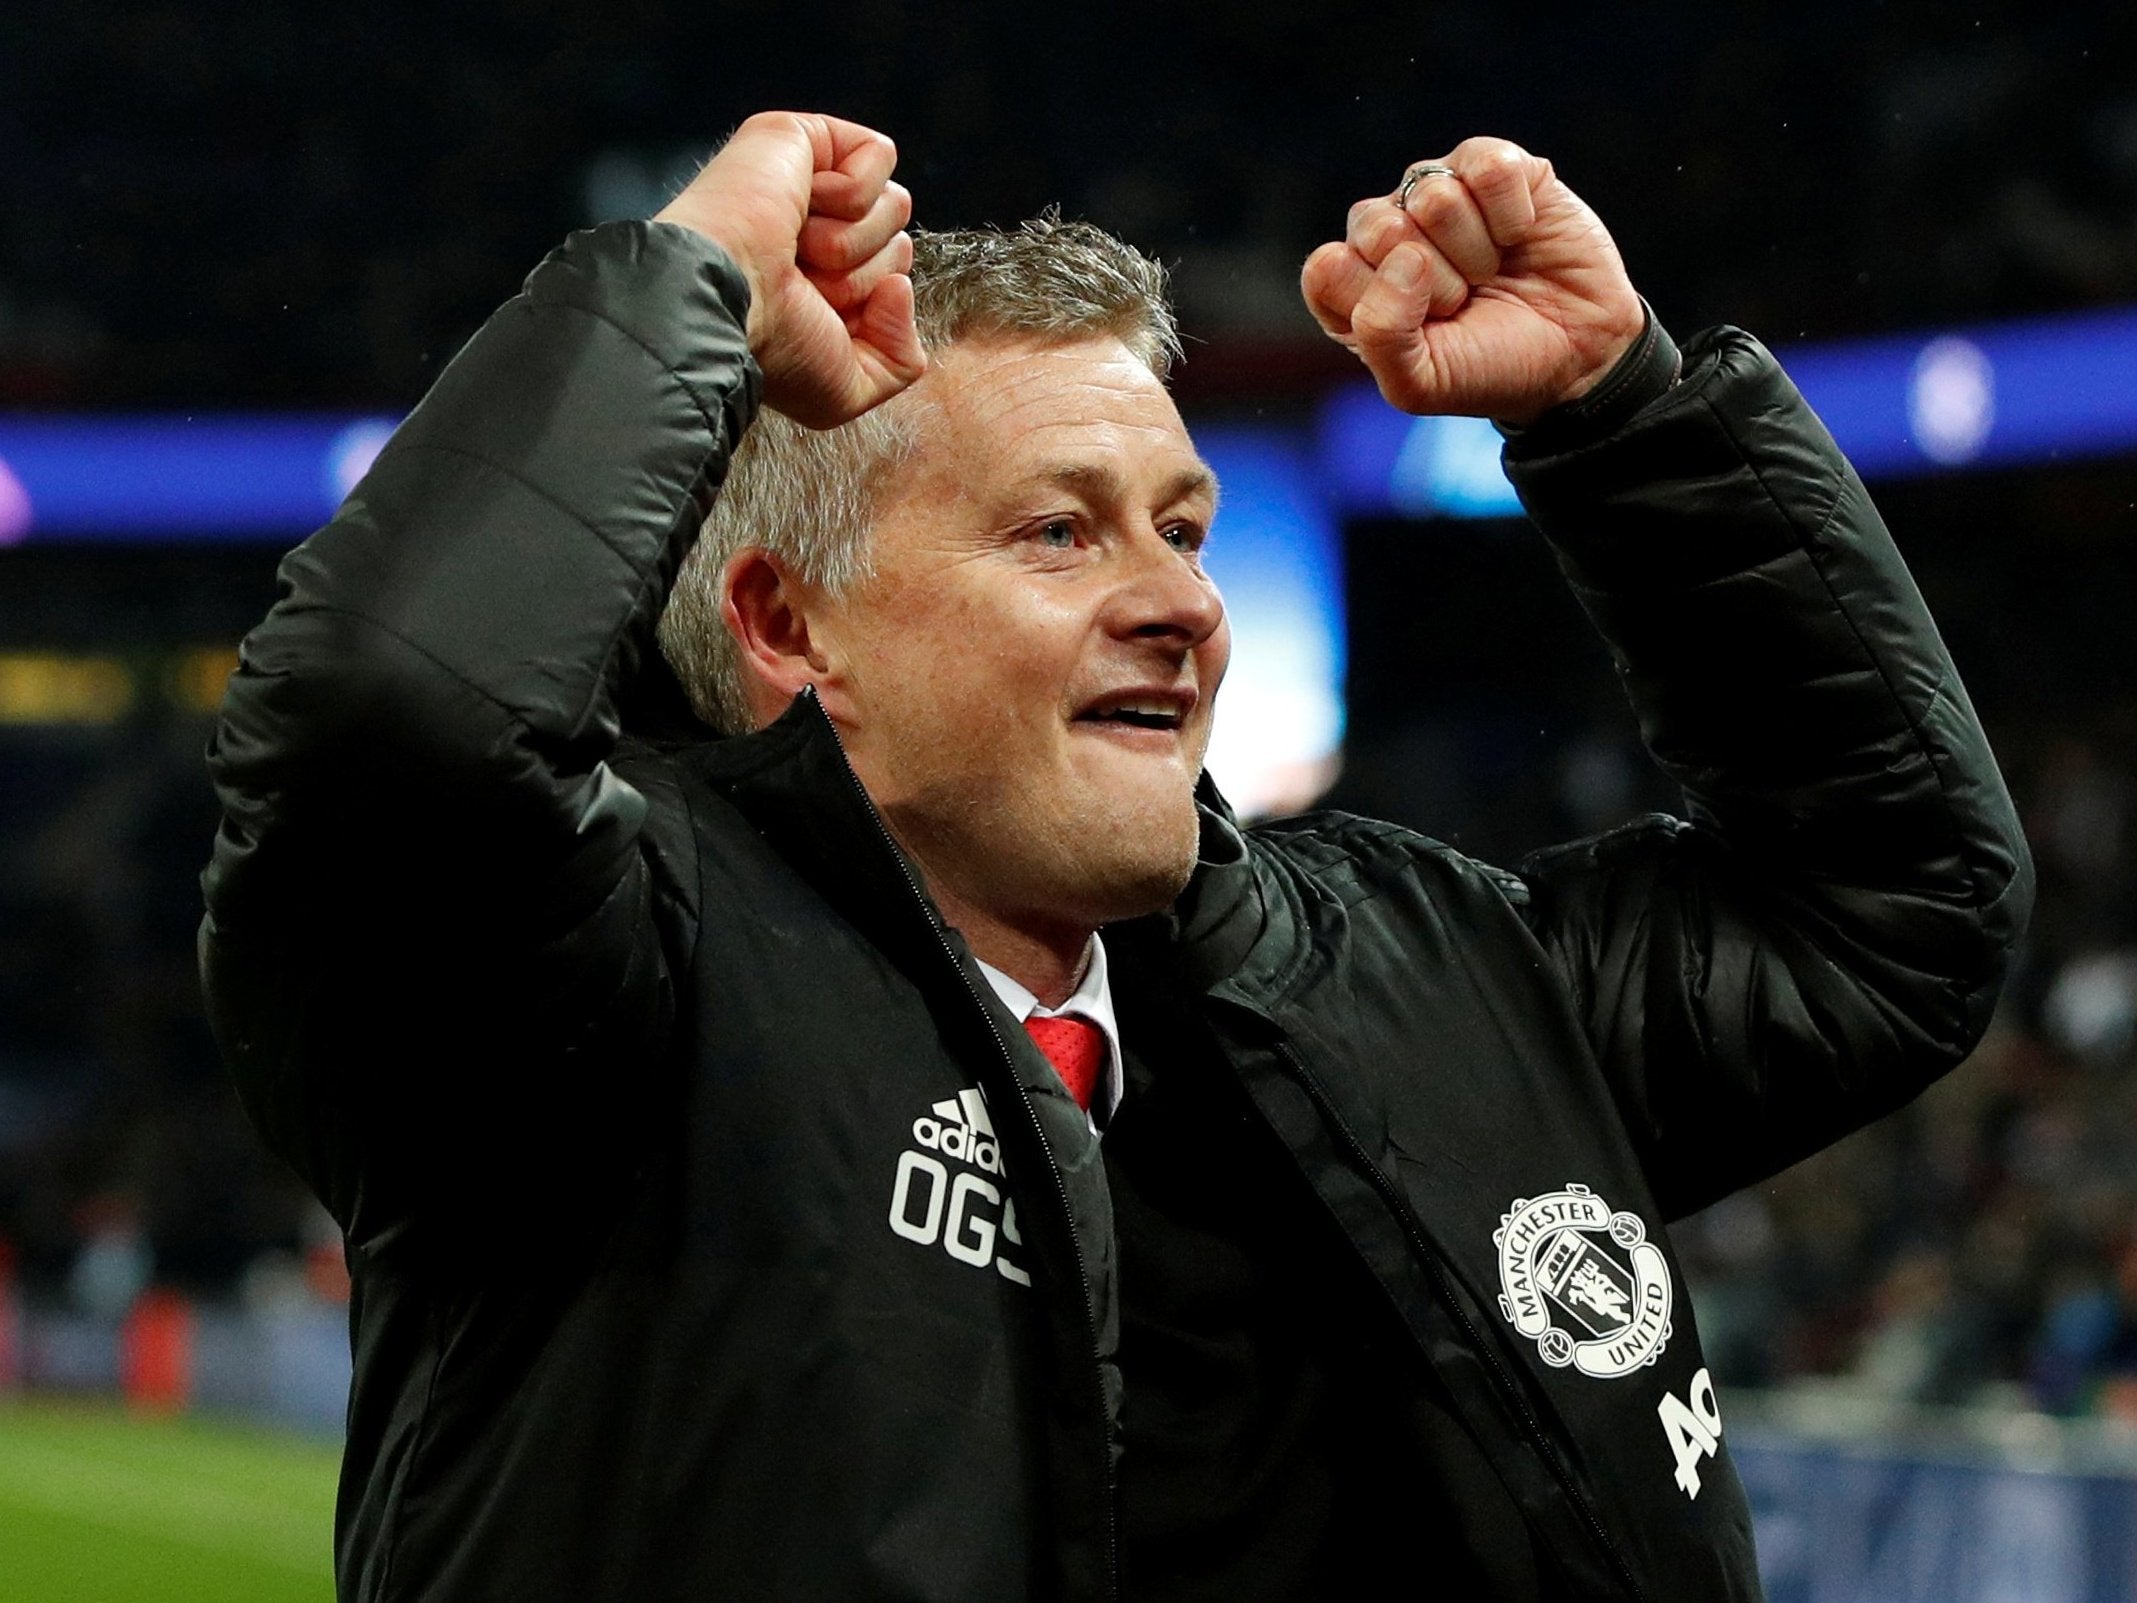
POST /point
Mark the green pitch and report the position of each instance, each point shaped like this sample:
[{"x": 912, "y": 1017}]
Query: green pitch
[{"x": 97, "y": 1506}]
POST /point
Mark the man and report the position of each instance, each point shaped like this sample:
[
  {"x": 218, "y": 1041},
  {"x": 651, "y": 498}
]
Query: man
[{"x": 717, "y": 1231}]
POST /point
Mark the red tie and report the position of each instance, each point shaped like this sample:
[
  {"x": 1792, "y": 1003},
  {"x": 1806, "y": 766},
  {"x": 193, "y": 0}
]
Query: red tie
[{"x": 1076, "y": 1048}]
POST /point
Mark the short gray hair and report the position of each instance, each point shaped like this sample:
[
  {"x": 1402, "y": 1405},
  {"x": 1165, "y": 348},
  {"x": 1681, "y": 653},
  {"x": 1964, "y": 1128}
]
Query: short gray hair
[{"x": 808, "y": 496}]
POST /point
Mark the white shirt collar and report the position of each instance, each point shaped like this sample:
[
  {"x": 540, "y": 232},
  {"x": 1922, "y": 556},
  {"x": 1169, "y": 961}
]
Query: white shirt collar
[{"x": 1092, "y": 1000}]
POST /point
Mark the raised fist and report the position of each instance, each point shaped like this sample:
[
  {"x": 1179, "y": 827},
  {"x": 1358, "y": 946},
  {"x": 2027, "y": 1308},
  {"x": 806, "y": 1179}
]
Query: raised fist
[
  {"x": 805, "y": 206},
  {"x": 1481, "y": 286}
]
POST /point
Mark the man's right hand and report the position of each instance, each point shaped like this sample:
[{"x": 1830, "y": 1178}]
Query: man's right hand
[{"x": 805, "y": 206}]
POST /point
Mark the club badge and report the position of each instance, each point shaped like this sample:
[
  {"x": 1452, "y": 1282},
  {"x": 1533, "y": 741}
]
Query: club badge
[{"x": 1585, "y": 1284}]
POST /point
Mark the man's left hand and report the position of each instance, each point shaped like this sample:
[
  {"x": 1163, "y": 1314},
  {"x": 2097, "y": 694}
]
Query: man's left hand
[{"x": 1487, "y": 289}]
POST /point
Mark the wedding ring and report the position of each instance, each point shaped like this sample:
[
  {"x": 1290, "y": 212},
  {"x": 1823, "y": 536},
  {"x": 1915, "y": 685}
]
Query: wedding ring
[{"x": 1420, "y": 170}]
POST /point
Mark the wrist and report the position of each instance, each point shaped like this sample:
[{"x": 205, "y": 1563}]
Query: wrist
[
  {"x": 679, "y": 213},
  {"x": 1643, "y": 373}
]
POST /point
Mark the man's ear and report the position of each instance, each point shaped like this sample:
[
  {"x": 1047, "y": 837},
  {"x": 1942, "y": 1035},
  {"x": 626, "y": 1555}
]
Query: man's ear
[
  {"x": 779, "y": 624},
  {"x": 785, "y": 633}
]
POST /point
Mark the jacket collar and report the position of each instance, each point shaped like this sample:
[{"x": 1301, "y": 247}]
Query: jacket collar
[{"x": 792, "y": 781}]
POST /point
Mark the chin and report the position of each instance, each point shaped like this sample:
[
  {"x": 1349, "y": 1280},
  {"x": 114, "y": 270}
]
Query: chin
[{"x": 1145, "y": 870}]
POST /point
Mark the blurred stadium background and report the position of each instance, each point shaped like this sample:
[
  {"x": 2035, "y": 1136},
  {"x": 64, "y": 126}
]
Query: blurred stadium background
[{"x": 238, "y": 241}]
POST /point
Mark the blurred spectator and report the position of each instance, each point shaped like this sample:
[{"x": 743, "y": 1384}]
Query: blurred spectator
[{"x": 114, "y": 1262}]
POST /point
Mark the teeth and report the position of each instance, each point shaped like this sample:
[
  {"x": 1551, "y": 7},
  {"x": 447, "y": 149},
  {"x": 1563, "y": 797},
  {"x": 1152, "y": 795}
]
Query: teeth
[{"x": 1143, "y": 712}]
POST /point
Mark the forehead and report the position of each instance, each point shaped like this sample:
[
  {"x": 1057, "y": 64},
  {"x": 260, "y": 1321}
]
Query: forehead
[{"x": 991, "y": 413}]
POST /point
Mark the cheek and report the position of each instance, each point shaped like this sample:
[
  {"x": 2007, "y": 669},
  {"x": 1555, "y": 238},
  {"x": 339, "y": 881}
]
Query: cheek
[
  {"x": 1215, "y": 655},
  {"x": 952, "y": 678},
  {"x": 1010, "y": 665},
  {"x": 973, "y": 671}
]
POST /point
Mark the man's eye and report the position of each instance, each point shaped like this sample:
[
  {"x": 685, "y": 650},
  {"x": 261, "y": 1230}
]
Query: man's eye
[
  {"x": 1185, "y": 537},
  {"x": 1059, "y": 535}
]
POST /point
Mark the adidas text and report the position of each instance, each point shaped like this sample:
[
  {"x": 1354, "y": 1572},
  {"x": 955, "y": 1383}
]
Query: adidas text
[{"x": 966, "y": 1214}]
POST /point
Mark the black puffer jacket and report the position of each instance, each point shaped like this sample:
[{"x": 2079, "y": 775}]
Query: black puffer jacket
[{"x": 714, "y": 1233}]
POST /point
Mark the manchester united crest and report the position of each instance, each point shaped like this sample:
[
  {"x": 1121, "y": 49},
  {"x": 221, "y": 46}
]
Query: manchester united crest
[{"x": 1585, "y": 1284}]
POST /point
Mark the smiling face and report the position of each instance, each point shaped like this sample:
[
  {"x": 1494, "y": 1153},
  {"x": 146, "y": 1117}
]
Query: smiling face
[{"x": 1025, "y": 682}]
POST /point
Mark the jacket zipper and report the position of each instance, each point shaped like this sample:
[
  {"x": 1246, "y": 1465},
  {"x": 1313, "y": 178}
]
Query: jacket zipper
[
  {"x": 1053, "y": 1170},
  {"x": 1392, "y": 1199}
]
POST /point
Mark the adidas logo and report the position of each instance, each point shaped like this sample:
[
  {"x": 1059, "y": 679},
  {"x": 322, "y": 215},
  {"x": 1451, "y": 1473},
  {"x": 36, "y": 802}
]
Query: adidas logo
[
  {"x": 966, "y": 1214},
  {"x": 961, "y": 1129}
]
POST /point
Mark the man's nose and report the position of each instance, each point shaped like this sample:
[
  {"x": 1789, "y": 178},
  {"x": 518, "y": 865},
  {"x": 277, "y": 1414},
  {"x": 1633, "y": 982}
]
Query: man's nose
[{"x": 1165, "y": 594}]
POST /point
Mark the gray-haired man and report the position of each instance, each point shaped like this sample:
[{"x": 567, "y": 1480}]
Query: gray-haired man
[{"x": 761, "y": 1176}]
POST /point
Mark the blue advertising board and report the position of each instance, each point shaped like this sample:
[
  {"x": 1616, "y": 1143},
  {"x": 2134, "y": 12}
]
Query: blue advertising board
[
  {"x": 2038, "y": 390},
  {"x": 2034, "y": 391}
]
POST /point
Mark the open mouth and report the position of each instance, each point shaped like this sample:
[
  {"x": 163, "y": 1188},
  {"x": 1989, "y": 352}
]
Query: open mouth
[{"x": 1140, "y": 711}]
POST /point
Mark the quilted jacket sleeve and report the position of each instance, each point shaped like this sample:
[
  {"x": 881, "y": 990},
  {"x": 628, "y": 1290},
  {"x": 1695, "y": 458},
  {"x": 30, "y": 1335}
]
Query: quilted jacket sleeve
[
  {"x": 1828, "y": 930},
  {"x": 431, "y": 952}
]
